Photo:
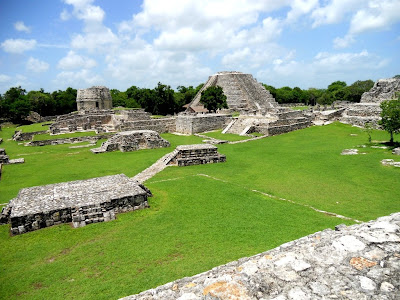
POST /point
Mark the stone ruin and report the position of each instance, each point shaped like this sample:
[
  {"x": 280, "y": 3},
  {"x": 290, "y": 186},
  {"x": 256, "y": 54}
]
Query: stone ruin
[
  {"x": 81, "y": 202},
  {"x": 243, "y": 93},
  {"x": 94, "y": 98},
  {"x": 368, "y": 110},
  {"x": 197, "y": 154},
  {"x": 357, "y": 262},
  {"x": 131, "y": 141},
  {"x": 5, "y": 159}
]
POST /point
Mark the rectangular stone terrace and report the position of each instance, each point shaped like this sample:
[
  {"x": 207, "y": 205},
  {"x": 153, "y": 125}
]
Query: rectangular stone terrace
[{"x": 81, "y": 202}]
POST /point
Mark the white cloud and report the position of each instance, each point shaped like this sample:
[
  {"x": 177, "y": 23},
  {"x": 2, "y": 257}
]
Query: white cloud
[
  {"x": 335, "y": 11},
  {"x": 95, "y": 35},
  {"x": 20, "y": 26},
  {"x": 4, "y": 78},
  {"x": 75, "y": 61},
  {"x": 299, "y": 8},
  {"x": 379, "y": 15},
  {"x": 80, "y": 79},
  {"x": 65, "y": 15},
  {"x": 18, "y": 45},
  {"x": 343, "y": 42},
  {"x": 36, "y": 65}
]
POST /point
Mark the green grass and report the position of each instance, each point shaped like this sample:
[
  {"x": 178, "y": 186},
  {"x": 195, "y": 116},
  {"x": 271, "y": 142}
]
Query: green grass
[
  {"x": 34, "y": 127},
  {"x": 299, "y": 107},
  {"x": 195, "y": 221},
  {"x": 225, "y": 136},
  {"x": 41, "y": 137}
]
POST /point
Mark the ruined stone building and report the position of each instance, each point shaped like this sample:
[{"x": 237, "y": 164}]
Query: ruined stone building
[
  {"x": 242, "y": 91},
  {"x": 94, "y": 98}
]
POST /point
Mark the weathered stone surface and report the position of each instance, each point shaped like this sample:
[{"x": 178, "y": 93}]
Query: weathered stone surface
[
  {"x": 396, "y": 151},
  {"x": 242, "y": 91},
  {"x": 383, "y": 89},
  {"x": 390, "y": 162},
  {"x": 25, "y": 136},
  {"x": 94, "y": 98},
  {"x": 191, "y": 124},
  {"x": 132, "y": 140},
  {"x": 60, "y": 141},
  {"x": 349, "y": 152},
  {"x": 329, "y": 264},
  {"x": 81, "y": 202},
  {"x": 188, "y": 155}
]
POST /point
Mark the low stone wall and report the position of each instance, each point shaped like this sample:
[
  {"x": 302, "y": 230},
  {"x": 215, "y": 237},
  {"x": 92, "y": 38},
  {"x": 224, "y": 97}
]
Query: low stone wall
[
  {"x": 355, "y": 262},
  {"x": 190, "y": 124},
  {"x": 161, "y": 125},
  {"x": 72, "y": 140},
  {"x": 198, "y": 154},
  {"x": 81, "y": 202},
  {"x": 25, "y": 136},
  {"x": 74, "y": 122}
]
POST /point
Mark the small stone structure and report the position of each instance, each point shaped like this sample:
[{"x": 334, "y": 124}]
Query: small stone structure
[
  {"x": 185, "y": 155},
  {"x": 81, "y": 202},
  {"x": 390, "y": 162},
  {"x": 4, "y": 158},
  {"x": 242, "y": 91},
  {"x": 396, "y": 151},
  {"x": 355, "y": 262},
  {"x": 94, "y": 98},
  {"x": 132, "y": 141},
  {"x": 191, "y": 124},
  {"x": 198, "y": 154}
]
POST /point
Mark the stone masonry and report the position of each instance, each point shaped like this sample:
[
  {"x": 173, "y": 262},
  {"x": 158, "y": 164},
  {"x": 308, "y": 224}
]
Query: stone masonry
[
  {"x": 190, "y": 124},
  {"x": 132, "y": 140},
  {"x": 198, "y": 154},
  {"x": 81, "y": 202},
  {"x": 94, "y": 98},
  {"x": 355, "y": 262}
]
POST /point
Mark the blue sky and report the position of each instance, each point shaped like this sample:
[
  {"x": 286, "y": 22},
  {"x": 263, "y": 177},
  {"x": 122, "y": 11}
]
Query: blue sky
[{"x": 54, "y": 44}]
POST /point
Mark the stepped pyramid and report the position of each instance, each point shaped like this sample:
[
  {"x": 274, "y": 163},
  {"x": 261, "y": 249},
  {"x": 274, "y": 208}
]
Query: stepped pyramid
[{"x": 242, "y": 91}]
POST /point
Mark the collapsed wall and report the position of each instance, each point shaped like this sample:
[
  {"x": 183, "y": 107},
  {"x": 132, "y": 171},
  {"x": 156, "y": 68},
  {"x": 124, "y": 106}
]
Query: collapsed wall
[
  {"x": 81, "y": 202},
  {"x": 368, "y": 110},
  {"x": 131, "y": 141}
]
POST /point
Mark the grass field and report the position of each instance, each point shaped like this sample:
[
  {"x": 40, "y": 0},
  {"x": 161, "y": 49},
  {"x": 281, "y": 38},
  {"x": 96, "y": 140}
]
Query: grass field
[{"x": 200, "y": 216}]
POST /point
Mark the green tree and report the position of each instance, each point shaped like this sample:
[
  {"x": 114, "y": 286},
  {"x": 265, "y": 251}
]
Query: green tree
[
  {"x": 213, "y": 98},
  {"x": 271, "y": 89},
  {"x": 15, "y": 105},
  {"x": 284, "y": 95},
  {"x": 354, "y": 92},
  {"x": 65, "y": 101},
  {"x": 42, "y": 103},
  {"x": 164, "y": 100},
  {"x": 390, "y": 117},
  {"x": 118, "y": 98}
]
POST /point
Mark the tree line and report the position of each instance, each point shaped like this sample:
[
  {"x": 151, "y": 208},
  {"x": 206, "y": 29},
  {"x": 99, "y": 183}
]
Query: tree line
[{"x": 16, "y": 103}]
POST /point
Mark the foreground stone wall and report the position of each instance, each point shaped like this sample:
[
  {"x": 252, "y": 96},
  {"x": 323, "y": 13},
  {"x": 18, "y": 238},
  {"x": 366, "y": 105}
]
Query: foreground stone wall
[
  {"x": 81, "y": 202},
  {"x": 190, "y": 124},
  {"x": 355, "y": 262}
]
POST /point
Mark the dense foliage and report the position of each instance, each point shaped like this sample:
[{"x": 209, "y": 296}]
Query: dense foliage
[
  {"x": 213, "y": 98},
  {"x": 391, "y": 117},
  {"x": 336, "y": 91}
]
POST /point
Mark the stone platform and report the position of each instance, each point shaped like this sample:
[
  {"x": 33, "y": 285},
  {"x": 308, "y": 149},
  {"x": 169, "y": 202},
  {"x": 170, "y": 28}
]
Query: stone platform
[
  {"x": 132, "y": 140},
  {"x": 198, "y": 154},
  {"x": 81, "y": 202},
  {"x": 355, "y": 262}
]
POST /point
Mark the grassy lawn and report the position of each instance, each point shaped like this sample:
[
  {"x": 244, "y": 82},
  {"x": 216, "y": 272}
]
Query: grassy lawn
[
  {"x": 226, "y": 136},
  {"x": 200, "y": 216},
  {"x": 34, "y": 127},
  {"x": 299, "y": 107}
]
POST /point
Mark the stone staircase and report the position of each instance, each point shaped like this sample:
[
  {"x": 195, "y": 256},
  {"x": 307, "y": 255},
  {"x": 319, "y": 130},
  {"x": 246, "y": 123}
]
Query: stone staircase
[{"x": 157, "y": 167}]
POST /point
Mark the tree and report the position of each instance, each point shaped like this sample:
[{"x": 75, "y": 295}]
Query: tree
[
  {"x": 354, "y": 92},
  {"x": 65, "y": 101},
  {"x": 213, "y": 98},
  {"x": 390, "y": 117},
  {"x": 164, "y": 100},
  {"x": 118, "y": 98},
  {"x": 42, "y": 103},
  {"x": 15, "y": 105}
]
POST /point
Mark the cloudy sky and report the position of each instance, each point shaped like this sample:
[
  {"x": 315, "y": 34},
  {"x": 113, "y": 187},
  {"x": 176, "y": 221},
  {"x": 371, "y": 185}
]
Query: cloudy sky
[{"x": 53, "y": 44}]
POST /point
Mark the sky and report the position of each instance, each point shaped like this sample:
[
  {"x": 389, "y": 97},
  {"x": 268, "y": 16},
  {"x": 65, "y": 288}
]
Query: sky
[{"x": 55, "y": 44}]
